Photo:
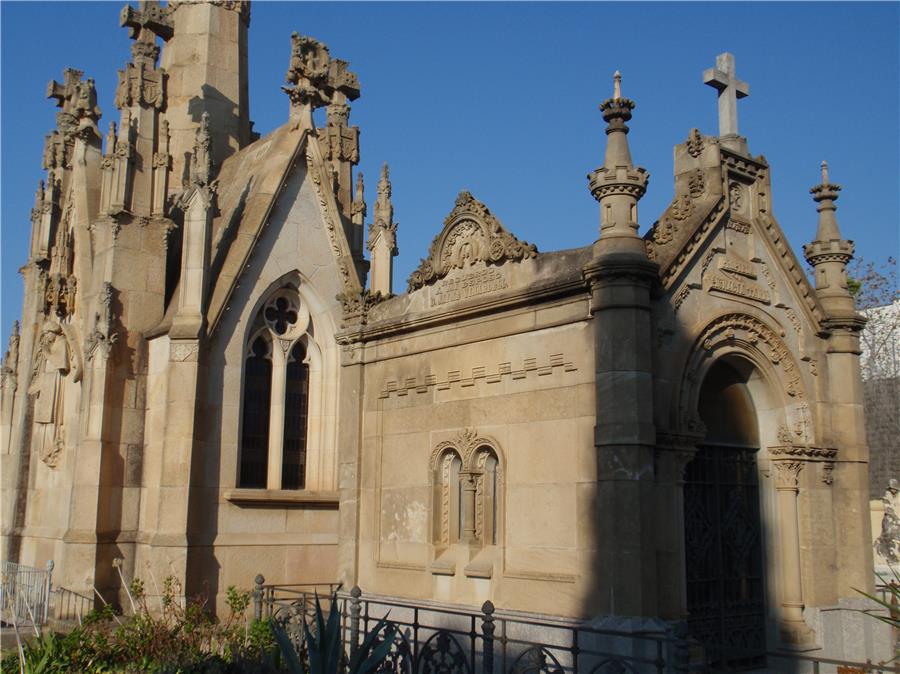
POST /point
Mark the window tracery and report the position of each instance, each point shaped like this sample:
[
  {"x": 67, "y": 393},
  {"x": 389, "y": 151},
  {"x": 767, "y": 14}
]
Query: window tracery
[{"x": 276, "y": 398}]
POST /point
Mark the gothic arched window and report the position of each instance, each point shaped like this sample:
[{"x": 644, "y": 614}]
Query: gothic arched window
[
  {"x": 448, "y": 499},
  {"x": 487, "y": 496},
  {"x": 467, "y": 496},
  {"x": 276, "y": 395}
]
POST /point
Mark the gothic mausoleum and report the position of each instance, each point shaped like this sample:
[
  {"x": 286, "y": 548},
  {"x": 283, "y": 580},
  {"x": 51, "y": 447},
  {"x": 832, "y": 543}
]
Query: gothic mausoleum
[{"x": 214, "y": 379}]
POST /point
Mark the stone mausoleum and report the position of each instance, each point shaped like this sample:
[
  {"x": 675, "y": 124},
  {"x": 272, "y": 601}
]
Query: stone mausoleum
[{"x": 213, "y": 379}]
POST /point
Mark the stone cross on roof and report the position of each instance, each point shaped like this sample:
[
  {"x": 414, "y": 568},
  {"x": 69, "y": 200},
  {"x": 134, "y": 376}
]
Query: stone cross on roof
[
  {"x": 147, "y": 22},
  {"x": 66, "y": 91},
  {"x": 730, "y": 89}
]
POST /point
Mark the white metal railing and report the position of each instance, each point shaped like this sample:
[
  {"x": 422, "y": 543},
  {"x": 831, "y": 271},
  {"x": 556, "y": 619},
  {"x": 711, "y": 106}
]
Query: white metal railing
[{"x": 25, "y": 593}]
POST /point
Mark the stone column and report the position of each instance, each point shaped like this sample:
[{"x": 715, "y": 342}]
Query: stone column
[
  {"x": 794, "y": 631},
  {"x": 620, "y": 277},
  {"x": 468, "y": 523},
  {"x": 276, "y": 415},
  {"x": 843, "y": 414}
]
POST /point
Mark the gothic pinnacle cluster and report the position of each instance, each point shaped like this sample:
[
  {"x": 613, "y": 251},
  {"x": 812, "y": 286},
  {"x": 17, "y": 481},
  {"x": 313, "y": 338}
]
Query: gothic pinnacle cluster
[{"x": 618, "y": 185}]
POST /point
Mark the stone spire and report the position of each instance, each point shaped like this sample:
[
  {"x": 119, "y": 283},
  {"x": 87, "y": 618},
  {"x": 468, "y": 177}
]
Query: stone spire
[
  {"x": 382, "y": 242},
  {"x": 207, "y": 66},
  {"x": 828, "y": 254},
  {"x": 141, "y": 96},
  {"x": 724, "y": 80},
  {"x": 618, "y": 185}
]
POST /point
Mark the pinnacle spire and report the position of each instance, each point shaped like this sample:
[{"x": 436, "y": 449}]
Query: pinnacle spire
[
  {"x": 360, "y": 187},
  {"x": 618, "y": 185},
  {"x": 616, "y": 111},
  {"x": 825, "y": 194},
  {"x": 829, "y": 254}
]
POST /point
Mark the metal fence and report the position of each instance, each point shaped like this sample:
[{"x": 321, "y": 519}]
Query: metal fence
[
  {"x": 68, "y": 606},
  {"x": 25, "y": 593},
  {"x": 457, "y": 639}
]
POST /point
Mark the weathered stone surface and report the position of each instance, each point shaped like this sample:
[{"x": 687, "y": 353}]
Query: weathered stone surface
[{"x": 205, "y": 383}]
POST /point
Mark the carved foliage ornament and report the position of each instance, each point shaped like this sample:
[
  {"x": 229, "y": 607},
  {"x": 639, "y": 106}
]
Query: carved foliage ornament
[
  {"x": 356, "y": 305},
  {"x": 466, "y": 442},
  {"x": 471, "y": 234}
]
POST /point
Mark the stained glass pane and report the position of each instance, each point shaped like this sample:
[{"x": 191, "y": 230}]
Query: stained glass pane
[
  {"x": 293, "y": 471},
  {"x": 255, "y": 426}
]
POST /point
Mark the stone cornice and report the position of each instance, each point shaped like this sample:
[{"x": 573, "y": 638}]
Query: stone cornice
[{"x": 404, "y": 323}]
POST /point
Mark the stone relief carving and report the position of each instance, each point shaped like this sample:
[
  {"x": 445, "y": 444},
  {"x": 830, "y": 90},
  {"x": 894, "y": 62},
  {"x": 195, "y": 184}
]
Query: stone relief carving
[
  {"x": 102, "y": 336},
  {"x": 356, "y": 306},
  {"x": 336, "y": 248},
  {"x": 184, "y": 352},
  {"x": 695, "y": 143},
  {"x": 471, "y": 234},
  {"x": 887, "y": 545},
  {"x": 8, "y": 371}
]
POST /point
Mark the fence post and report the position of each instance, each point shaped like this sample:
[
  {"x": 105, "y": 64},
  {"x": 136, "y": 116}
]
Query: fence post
[
  {"x": 47, "y": 587},
  {"x": 258, "y": 596},
  {"x": 682, "y": 652},
  {"x": 355, "y": 610},
  {"x": 487, "y": 630}
]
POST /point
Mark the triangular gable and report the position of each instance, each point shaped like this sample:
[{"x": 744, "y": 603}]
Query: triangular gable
[
  {"x": 471, "y": 234},
  {"x": 251, "y": 182},
  {"x": 714, "y": 189}
]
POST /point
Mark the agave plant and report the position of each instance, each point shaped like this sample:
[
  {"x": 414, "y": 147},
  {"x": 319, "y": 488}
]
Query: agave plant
[{"x": 324, "y": 648}]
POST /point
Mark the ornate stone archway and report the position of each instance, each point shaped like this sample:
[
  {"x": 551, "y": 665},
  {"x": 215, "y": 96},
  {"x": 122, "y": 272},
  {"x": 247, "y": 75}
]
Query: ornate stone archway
[{"x": 786, "y": 434}]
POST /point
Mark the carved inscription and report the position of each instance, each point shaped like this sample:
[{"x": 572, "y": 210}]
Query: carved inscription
[
  {"x": 737, "y": 266},
  {"x": 733, "y": 286},
  {"x": 733, "y": 277},
  {"x": 465, "y": 286}
]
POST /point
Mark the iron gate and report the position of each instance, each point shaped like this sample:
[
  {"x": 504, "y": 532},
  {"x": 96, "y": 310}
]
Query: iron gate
[{"x": 723, "y": 551}]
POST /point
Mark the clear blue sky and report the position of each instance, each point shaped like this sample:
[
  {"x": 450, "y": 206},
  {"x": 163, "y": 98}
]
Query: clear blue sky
[{"x": 501, "y": 99}]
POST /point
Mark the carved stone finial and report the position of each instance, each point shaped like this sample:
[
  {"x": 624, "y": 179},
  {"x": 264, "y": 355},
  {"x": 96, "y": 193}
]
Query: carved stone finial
[
  {"x": 360, "y": 187},
  {"x": 824, "y": 166},
  {"x": 308, "y": 75},
  {"x": 358, "y": 208},
  {"x": 617, "y": 85},
  {"x": 318, "y": 80},
  {"x": 38, "y": 202},
  {"x": 383, "y": 225},
  {"x": 145, "y": 24},
  {"x": 78, "y": 102}
]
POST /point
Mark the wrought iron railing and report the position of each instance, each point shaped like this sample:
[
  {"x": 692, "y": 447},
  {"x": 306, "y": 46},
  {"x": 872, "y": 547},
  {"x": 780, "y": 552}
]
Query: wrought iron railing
[
  {"x": 69, "y": 606},
  {"x": 25, "y": 593},
  {"x": 454, "y": 638}
]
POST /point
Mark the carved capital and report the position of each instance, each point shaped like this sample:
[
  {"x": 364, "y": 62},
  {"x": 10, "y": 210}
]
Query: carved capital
[{"x": 787, "y": 474}]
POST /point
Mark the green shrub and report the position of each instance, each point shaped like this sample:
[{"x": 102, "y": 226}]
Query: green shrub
[{"x": 174, "y": 640}]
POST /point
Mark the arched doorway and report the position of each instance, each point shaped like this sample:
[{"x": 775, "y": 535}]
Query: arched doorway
[{"x": 723, "y": 534}]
